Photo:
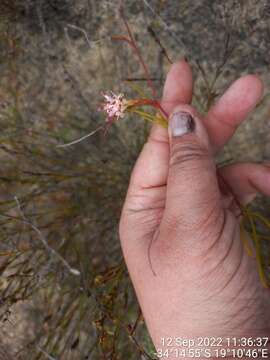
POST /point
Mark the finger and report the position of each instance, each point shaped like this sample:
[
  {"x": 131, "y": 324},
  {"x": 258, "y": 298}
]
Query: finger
[
  {"x": 177, "y": 90},
  {"x": 193, "y": 198},
  {"x": 247, "y": 180},
  {"x": 232, "y": 108},
  {"x": 151, "y": 168},
  {"x": 178, "y": 86}
]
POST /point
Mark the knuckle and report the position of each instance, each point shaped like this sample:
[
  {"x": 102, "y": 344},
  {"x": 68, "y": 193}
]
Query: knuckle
[{"x": 185, "y": 153}]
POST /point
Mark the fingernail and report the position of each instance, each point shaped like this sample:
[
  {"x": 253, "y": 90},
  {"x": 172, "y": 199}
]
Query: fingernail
[{"x": 181, "y": 123}]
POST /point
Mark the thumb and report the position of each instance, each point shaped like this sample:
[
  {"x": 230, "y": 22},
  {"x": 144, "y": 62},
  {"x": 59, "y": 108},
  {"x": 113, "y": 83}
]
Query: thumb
[{"x": 193, "y": 198}]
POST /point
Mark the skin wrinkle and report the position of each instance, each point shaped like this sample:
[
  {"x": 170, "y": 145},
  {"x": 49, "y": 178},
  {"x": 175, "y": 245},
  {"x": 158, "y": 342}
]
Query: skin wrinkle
[
  {"x": 174, "y": 224},
  {"x": 256, "y": 311},
  {"x": 223, "y": 186},
  {"x": 220, "y": 232},
  {"x": 188, "y": 176},
  {"x": 179, "y": 247},
  {"x": 242, "y": 287},
  {"x": 172, "y": 251},
  {"x": 152, "y": 240},
  {"x": 136, "y": 211},
  {"x": 188, "y": 151},
  {"x": 143, "y": 208},
  {"x": 154, "y": 187},
  {"x": 152, "y": 217},
  {"x": 215, "y": 244},
  {"x": 150, "y": 221},
  {"x": 206, "y": 227},
  {"x": 149, "y": 229},
  {"x": 238, "y": 266},
  {"x": 219, "y": 215},
  {"x": 248, "y": 321},
  {"x": 234, "y": 205},
  {"x": 255, "y": 291},
  {"x": 153, "y": 139},
  {"x": 252, "y": 303},
  {"x": 234, "y": 273},
  {"x": 240, "y": 312},
  {"x": 150, "y": 187},
  {"x": 149, "y": 234}
]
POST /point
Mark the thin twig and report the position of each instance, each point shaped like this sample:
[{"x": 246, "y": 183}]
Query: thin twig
[
  {"x": 134, "y": 46},
  {"x": 82, "y": 31},
  {"x": 179, "y": 41},
  {"x": 72, "y": 270},
  {"x": 90, "y": 43},
  {"x": 155, "y": 37},
  {"x": 48, "y": 356},
  {"x": 81, "y": 138},
  {"x": 165, "y": 25}
]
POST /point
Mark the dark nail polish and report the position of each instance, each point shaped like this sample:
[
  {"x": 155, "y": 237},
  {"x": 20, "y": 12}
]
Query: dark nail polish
[{"x": 181, "y": 123}]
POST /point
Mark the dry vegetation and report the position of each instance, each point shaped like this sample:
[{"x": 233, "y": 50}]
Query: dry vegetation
[{"x": 64, "y": 289}]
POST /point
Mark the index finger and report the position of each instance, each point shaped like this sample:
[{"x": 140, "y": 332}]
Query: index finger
[{"x": 177, "y": 90}]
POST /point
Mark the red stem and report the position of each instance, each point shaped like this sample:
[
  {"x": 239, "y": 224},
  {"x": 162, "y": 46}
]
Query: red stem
[
  {"x": 151, "y": 102},
  {"x": 134, "y": 46}
]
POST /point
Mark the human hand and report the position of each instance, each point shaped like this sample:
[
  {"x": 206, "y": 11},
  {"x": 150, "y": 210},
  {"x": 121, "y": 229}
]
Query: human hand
[{"x": 179, "y": 229}]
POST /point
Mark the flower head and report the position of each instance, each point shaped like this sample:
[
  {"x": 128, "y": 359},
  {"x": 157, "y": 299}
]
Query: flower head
[{"x": 114, "y": 105}]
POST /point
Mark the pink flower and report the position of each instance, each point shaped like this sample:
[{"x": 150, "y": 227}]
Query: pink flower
[{"x": 114, "y": 105}]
